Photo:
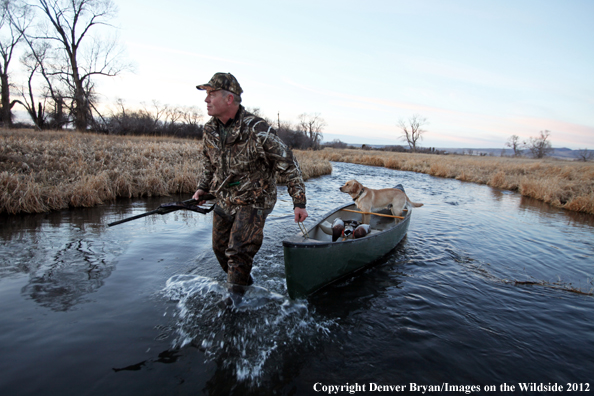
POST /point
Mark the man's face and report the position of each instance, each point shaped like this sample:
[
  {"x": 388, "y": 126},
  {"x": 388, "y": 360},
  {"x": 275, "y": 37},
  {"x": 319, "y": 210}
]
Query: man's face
[{"x": 215, "y": 103}]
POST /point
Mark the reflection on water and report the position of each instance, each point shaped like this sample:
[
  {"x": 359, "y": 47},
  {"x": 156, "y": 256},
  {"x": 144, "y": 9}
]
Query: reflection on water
[
  {"x": 140, "y": 308},
  {"x": 65, "y": 253},
  {"x": 68, "y": 276},
  {"x": 17, "y": 227},
  {"x": 545, "y": 210},
  {"x": 62, "y": 253}
]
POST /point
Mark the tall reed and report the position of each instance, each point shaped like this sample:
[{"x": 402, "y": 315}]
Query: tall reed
[{"x": 49, "y": 170}]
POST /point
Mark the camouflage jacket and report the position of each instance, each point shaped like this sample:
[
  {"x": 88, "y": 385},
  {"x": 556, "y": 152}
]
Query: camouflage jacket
[{"x": 242, "y": 168}]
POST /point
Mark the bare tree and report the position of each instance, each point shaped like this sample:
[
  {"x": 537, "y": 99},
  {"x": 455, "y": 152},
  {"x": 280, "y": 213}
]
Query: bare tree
[
  {"x": 160, "y": 120},
  {"x": 81, "y": 56},
  {"x": 585, "y": 155},
  {"x": 412, "y": 130},
  {"x": 160, "y": 111},
  {"x": 516, "y": 145},
  {"x": 540, "y": 146},
  {"x": 292, "y": 136},
  {"x": 38, "y": 61},
  {"x": 192, "y": 116},
  {"x": 35, "y": 108},
  {"x": 15, "y": 18},
  {"x": 312, "y": 125}
]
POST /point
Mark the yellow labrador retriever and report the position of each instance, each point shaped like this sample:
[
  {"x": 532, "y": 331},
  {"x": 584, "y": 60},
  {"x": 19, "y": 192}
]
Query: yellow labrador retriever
[{"x": 368, "y": 199}]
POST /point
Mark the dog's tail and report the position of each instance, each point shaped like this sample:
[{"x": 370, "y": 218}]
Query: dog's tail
[{"x": 414, "y": 204}]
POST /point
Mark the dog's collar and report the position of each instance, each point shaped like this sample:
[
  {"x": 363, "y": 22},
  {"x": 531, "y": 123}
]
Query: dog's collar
[{"x": 360, "y": 193}]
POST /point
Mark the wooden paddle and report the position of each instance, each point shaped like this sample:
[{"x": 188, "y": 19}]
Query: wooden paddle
[{"x": 373, "y": 213}]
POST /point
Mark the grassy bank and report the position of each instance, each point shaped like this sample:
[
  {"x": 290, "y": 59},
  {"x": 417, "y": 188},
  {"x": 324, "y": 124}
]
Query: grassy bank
[
  {"x": 43, "y": 171},
  {"x": 563, "y": 184}
]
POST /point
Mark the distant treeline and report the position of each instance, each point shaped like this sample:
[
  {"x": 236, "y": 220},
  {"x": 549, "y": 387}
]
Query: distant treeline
[
  {"x": 187, "y": 122},
  {"x": 157, "y": 120},
  {"x": 338, "y": 144}
]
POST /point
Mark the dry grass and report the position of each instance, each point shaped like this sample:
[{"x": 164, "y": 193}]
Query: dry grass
[
  {"x": 43, "y": 171},
  {"x": 563, "y": 184},
  {"x": 311, "y": 165}
]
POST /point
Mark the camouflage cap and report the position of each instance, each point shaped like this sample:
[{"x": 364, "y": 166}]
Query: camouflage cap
[{"x": 224, "y": 81}]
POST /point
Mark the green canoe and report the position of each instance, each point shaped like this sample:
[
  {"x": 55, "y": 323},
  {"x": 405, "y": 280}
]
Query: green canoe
[{"x": 314, "y": 261}]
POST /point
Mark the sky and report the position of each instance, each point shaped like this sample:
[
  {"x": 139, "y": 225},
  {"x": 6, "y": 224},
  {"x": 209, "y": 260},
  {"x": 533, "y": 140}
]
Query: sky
[{"x": 478, "y": 71}]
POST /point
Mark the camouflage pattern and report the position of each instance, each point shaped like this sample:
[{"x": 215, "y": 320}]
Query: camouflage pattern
[
  {"x": 236, "y": 239},
  {"x": 224, "y": 81},
  {"x": 241, "y": 169}
]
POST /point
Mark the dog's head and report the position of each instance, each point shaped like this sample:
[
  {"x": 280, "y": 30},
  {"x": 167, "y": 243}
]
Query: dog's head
[{"x": 352, "y": 187}]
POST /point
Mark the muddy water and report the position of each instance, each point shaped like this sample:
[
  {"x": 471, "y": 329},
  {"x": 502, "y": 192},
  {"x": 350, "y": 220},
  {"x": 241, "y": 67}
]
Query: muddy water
[{"x": 88, "y": 309}]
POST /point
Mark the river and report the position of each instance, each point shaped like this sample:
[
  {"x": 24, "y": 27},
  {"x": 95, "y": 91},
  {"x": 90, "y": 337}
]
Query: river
[{"x": 136, "y": 309}]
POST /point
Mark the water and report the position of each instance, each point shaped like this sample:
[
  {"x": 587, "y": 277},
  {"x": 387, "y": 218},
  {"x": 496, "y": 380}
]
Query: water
[{"x": 138, "y": 309}]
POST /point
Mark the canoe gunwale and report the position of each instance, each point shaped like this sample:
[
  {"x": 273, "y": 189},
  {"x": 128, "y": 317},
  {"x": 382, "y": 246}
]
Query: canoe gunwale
[{"x": 323, "y": 244}]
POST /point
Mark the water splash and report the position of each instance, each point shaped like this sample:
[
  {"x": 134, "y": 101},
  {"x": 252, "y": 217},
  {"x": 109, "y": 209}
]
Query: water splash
[{"x": 240, "y": 333}]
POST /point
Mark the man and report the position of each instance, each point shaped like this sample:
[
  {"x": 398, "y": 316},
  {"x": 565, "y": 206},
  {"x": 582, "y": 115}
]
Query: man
[{"x": 241, "y": 156}]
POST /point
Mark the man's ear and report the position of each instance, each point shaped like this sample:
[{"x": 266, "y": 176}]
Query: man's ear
[{"x": 229, "y": 100}]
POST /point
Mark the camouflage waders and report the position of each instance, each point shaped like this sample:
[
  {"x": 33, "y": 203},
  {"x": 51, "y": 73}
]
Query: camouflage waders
[{"x": 236, "y": 240}]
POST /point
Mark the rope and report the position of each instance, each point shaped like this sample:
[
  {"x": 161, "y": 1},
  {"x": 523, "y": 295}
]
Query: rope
[{"x": 303, "y": 229}]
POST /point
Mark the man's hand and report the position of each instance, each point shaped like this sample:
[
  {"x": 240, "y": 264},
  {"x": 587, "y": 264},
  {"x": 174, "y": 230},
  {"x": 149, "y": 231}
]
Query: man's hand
[
  {"x": 197, "y": 195},
  {"x": 300, "y": 215}
]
